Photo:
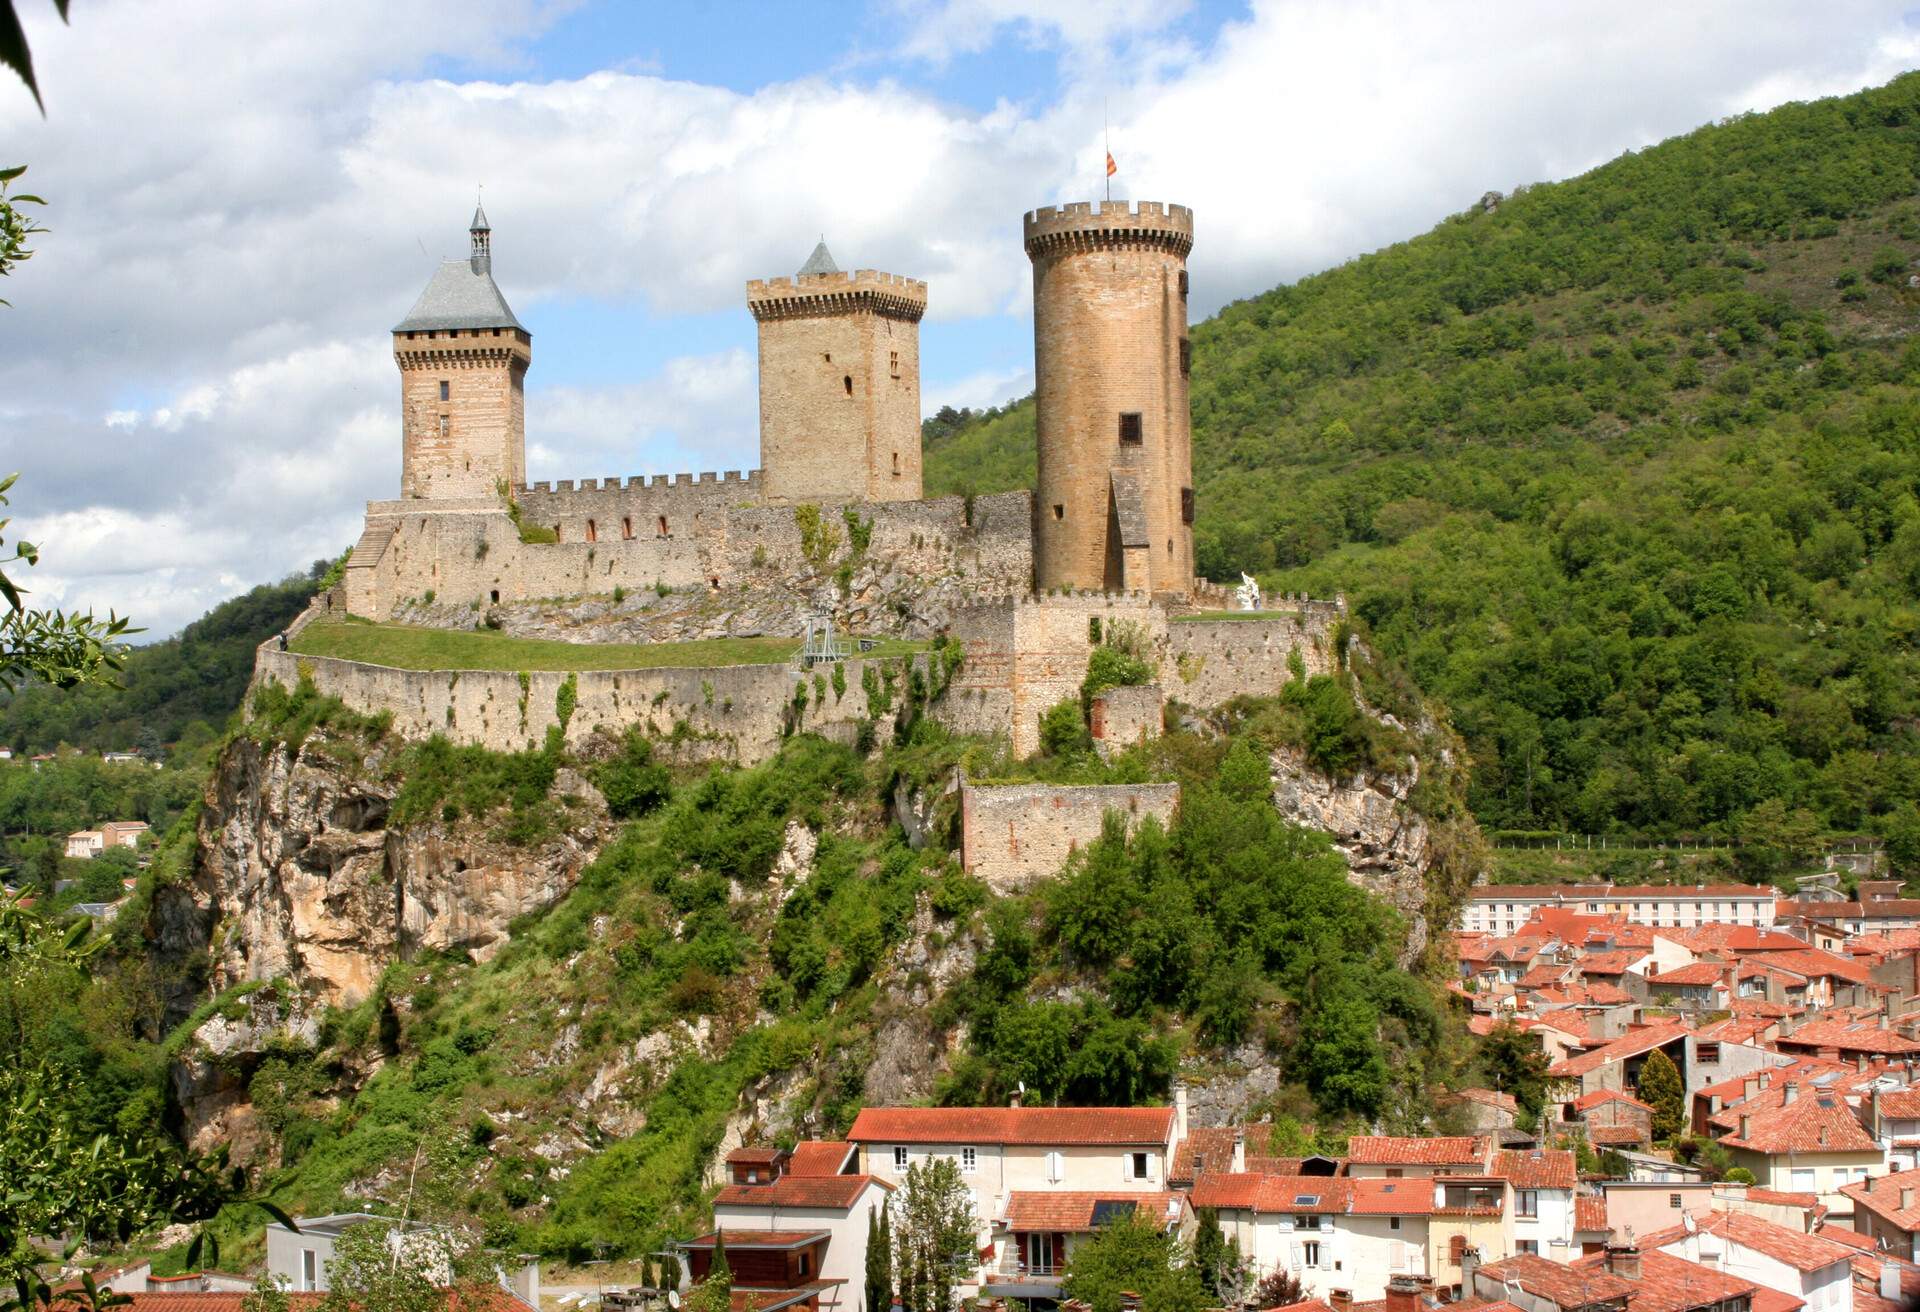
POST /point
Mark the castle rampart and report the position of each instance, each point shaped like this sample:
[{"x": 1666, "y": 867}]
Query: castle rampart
[{"x": 1013, "y": 834}]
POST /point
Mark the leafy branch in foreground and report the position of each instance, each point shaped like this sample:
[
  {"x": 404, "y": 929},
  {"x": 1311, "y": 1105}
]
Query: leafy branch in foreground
[
  {"x": 65, "y": 650},
  {"x": 15, "y": 225}
]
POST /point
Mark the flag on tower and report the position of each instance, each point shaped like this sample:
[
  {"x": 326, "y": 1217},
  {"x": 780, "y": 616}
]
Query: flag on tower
[{"x": 1112, "y": 168}]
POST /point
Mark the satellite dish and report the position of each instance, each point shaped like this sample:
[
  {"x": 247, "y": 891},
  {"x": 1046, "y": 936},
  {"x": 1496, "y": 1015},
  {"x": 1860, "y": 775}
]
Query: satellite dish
[{"x": 673, "y": 1299}]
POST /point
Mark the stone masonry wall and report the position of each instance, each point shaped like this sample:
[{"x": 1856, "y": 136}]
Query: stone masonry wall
[
  {"x": 1013, "y": 834},
  {"x": 734, "y": 711},
  {"x": 484, "y": 412},
  {"x": 1125, "y": 717}
]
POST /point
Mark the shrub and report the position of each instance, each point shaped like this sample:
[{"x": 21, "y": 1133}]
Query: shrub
[{"x": 633, "y": 782}]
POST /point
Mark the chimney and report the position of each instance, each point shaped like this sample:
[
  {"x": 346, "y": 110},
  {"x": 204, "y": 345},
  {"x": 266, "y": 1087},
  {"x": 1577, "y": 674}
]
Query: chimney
[
  {"x": 1403, "y": 1294},
  {"x": 1823, "y": 1136},
  {"x": 1906, "y": 1198},
  {"x": 1749, "y": 1087},
  {"x": 1469, "y": 1267},
  {"x": 1240, "y": 1154},
  {"x": 1746, "y": 1125},
  {"x": 1014, "y": 1101},
  {"x": 1623, "y": 1260},
  {"x": 1179, "y": 1111},
  {"x": 1890, "y": 1282},
  {"x": 1340, "y": 1299},
  {"x": 1791, "y": 1092}
]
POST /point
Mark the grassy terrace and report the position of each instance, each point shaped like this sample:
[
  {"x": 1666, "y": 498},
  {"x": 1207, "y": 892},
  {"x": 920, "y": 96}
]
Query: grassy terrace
[{"x": 406, "y": 647}]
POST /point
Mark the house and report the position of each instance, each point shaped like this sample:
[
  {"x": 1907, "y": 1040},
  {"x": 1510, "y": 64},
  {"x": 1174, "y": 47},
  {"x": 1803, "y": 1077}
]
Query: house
[
  {"x": 1036, "y": 1238},
  {"x": 1486, "y": 1110},
  {"x": 1503, "y": 908},
  {"x": 1811, "y": 1144},
  {"x": 1893, "y": 1118},
  {"x": 1285, "y": 1223},
  {"x": 805, "y": 1218},
  {"x": 86, "y": 844},
  {"x": 1846, "y": 1041},
  {"x": 1887, "y": 1211},
  {"x": 1543, "y": 1182},
  {"x": 1699, "y": 986},
  {"x": 300, "y": 1259},
  {"x": 1535, "y": 1284},
  {"x": 1616, "y": 1065},
  {"x": 1613, "y": 1119},
  {"x": 1818, "y": 1271},
  {"x": 120, "y": 758},
  {"x": 1661, "y": 1282},
  {"x": 1644, "y": 1207}
]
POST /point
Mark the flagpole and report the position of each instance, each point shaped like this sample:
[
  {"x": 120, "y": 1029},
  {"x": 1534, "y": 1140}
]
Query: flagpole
[{"x": 1106, "y": 138}]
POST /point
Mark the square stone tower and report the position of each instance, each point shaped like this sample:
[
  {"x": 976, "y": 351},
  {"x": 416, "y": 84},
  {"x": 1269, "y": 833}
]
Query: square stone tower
[
  {"x": 463, "y": 361},
  {"x": 839, "y": 383},
  {"x": 1113, "y": 505}
]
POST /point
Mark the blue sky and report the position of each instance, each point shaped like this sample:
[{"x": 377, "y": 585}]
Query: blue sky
[{"x": 195, "y": 380}]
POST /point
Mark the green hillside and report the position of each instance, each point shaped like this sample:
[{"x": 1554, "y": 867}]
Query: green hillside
[
  {"x": 1623, "y": 468},
  {"x": 195, "y": 678}
]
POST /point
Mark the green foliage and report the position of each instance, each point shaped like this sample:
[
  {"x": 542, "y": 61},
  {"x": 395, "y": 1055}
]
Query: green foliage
[
  {"x": 290, "y": 717},
  {"x": 633, "y": 782},
  {"x": 444, "y": 781},
  {"x": 1614, "y": 469},
  {"x": 16, "y": 225},
  {"x": 1134, "y": 1256},
  {"x": 859, "y": 531},
  {"x": 1063, "y": 731},
  {"x": 819, "y": 536},
  {"x": 934, "y": 1236},
  {"x": 1659, "y": 1087},
  {"x": 534, "y": 534},
  {"x": 566, "y": 699},
  {"x": 1112, "y": 667},
  {"x": 1514, "y": 1063}
]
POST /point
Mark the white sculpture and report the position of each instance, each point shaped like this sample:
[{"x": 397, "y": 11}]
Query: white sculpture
[{"x": 1248, "y": 593}]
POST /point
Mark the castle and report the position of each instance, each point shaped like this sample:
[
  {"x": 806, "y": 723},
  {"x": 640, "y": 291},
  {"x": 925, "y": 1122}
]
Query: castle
[{"x": 1025, "y": 581}]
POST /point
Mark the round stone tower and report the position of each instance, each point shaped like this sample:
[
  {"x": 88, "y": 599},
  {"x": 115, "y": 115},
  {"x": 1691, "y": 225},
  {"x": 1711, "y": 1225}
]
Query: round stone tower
[{"x": 1113, "y": 506}]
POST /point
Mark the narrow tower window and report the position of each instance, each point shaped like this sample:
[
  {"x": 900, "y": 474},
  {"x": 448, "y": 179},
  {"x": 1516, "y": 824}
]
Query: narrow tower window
[
  {"x": 1186, "y": 505},
  {"x": 896, "y": 464},
  {"x": 847, "y": 383},
  {"x": 556, "y": 532},
  {"x": 445, "y": 389},
  {"x": 626, "y": 526},
  {"x": 663, "y": 526},
  {"x": 443, "y": 425},
  {"x": 593, "y": 531},
  {"x": 1130, "y": 428},
  {"x": 1059, "y": 511},
  {"x": 1186, "y": 355},
  {"x": 1183, "y": 282},
  {"x": 893, "y": 362}
]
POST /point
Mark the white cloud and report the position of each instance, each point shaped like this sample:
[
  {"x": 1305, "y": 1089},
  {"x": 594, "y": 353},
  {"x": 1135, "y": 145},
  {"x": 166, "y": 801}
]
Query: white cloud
[
  {"x": 976, "y": 391},
  {"x": 195, "y": 381}
]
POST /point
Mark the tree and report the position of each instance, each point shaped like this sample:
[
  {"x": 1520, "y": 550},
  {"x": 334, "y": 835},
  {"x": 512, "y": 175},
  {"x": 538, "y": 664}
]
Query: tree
[
  {"x": 385, "y": 1266},
  {"x": 1659, "y": 1086},
  {"x": 1134, "y": 1256},
  {"x": 1278, "y": 1288},
  {"x": 65, "y": 650},
  {"x": 934, "y": 1247},
  {"x": 1217, "y": 1259},
  {"x": 1515, "y": 1064},
  {"x": 879, "y": 1260},
  {"x": 715, "y": 1293}
]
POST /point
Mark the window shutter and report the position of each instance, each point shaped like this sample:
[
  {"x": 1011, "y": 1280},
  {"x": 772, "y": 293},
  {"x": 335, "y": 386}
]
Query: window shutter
[
  {"x": 1126, "y": 1166},
  {"x": 1055, "y": 1163}
]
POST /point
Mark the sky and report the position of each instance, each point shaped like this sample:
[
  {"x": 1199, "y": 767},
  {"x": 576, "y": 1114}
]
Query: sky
[{"x": 196, "y": 383}]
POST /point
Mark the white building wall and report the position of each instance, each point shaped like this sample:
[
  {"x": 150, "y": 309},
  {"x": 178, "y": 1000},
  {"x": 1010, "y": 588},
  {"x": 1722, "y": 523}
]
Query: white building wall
[{"x": 846, "y": 1258}]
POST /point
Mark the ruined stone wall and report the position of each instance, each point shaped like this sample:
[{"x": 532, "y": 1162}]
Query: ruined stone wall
[
  {"x": 475, "y": 438},
  {"x": 738, "y": 712},
  {"x": 1125, "y": 717},
  {"x": 1013, "y": 834},
  {"x": 1207, "y": 662}
]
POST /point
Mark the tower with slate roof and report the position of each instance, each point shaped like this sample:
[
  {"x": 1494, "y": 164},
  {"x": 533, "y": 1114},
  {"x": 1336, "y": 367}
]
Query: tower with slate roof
[
  {"x": 463, "y": 361},
  {"x": 839, "y": 383}
]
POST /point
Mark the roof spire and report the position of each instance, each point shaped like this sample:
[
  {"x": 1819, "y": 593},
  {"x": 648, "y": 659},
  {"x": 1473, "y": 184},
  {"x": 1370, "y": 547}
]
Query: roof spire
[
  {"x": 820, "y": 261},
  {"x": 480, "y": 234}
]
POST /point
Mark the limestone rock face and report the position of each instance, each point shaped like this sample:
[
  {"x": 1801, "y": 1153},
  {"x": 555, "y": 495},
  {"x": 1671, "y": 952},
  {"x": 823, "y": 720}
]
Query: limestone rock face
[
  {"x": 212, "y": 1075},
  {"x": 307, "y": 884},
  {"x": 1387, "y": 844}
]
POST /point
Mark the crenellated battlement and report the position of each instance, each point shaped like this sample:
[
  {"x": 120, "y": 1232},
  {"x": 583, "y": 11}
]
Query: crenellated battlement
[
  {"x": 1085, "y": 224},
  {"x": 746, "y": 484},
  {"x": 809, "y": 294}
]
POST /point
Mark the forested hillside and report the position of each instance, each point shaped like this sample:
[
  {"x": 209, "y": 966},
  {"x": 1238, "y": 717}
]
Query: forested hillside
[
  {"x": 185, "y": 686},
  {"x": 1625, "y": 469}
]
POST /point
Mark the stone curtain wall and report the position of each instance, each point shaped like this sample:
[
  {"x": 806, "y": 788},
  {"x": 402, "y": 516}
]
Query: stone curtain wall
[
  {"x": 1125, "y": 717},
  {"x": 733, "y": 711},
  {"x": 1207, "y": 662},
  {"x": 1013, "y": 834},
  {"x": 717, "y": 534}
]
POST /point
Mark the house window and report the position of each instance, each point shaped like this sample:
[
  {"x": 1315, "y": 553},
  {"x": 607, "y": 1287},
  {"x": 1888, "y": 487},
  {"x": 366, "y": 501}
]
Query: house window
[
  {"x": 1456, "y": 1249},
  {"x": 309, "y": 1274},
  {"x": 1040, "y": 1255},
  {"x": 1394, "y": 1173},
  {"x": 1526, "y": 1202},
  {"x": 1393, "y": 1223},
  {"x": 969, "y": 1160},
  {"x": 1310, "y": 1252},
  {"x": 1526, "y": 1246},
  {"x": 1186, "y": 355},
  {"x": 1803, "y": 1179},
  {"x": 445, "y": 389},
  {"x": 1707, "y": 1054},
  {"x": 1056, "y": 1167},
  {"x": 900, "y": 1159},
  {"x": 1139, "y": 1166},
  {"x": 1130, "y": 428},
  {"x": 804, "y": 1267}
]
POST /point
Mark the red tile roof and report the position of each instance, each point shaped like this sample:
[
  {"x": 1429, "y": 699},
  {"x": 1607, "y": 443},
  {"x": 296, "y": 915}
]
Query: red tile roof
[
  {"x": 1844, "y": 1036},
  {"x": 1588, "y": 1101},
  {"x": 1815, "y": 964},
  {"x": 1618, "y": 1135},
  {"x": 1015, "y": 1125},
  {"x": 1590, "y": 1214},
  {"x": 1392, "y": 1198},
  {"x": 1275, "y": 1193},
  {"x": 746, "y": 1156},
  {"x": 1072, "y": 1211},
  {"x": 1781, "y": 1198},
  {"x": 1403, "y": 1150},
  {"x": 1811, "y": 1123},
  {"x": 1505, "y": 1102},
  {"x": 479, "y": 1298},
  {"x": 1537, "y": 1168},
  {"x": 1777, "y": 1300},
  {"x": 736, "y": 1238},
  {"x": 1799, "y": 1250},
  {"x": 825, "y": 1192},
  {"x": 1881, "y": 1196},
  {"x": 820, "y": 1157},
  {"x": 1211, "y": 1144},
  {"x": 1902, "y": 1103},
  {"x": 1627, "y": 1045},
  {"x": 1673, "y": 1284},
  {"x": 1559, "y": 1283},
  {"x": 1700, "y": 972}
]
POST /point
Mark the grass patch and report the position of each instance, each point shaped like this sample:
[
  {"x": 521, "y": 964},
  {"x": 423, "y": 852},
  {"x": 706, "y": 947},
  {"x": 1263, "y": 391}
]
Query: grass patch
[{"x": 407, "y": 647}]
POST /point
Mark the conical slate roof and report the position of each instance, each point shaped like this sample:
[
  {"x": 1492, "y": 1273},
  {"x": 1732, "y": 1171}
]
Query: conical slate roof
[
  {"x": 479, "y": 223},
  {"x": 458, "y": 297},
  {"x": 820, "y": 261}
]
